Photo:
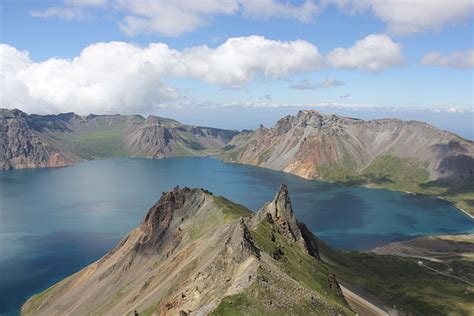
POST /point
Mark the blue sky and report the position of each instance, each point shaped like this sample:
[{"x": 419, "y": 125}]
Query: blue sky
[{"x": 422, "y": 60}]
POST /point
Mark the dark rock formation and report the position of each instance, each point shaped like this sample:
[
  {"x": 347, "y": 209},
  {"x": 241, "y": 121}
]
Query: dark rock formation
[
  {"x": 310, "y": 240},
  {"x": 247, "y": 242},
  {"x": 334, "y": 285}
]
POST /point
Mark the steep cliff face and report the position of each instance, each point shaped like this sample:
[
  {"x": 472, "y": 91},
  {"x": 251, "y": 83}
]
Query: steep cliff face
[
  {"x": 192, "y": 253},
  {"x": 22, "y": 147},
  {"x": 29, "y": 141},
  {"x": 337, "y": 148},
  {"x": 158, "y": 139}
]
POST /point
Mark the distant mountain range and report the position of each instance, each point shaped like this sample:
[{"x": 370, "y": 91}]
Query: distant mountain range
[
  {"x": 197, "y": 254},
  {"x": 31, "y": 141},
  {"x": 391, "y": 153},
  {"x": 337, "y": 148},
  {"x": 403, "y": 155}
]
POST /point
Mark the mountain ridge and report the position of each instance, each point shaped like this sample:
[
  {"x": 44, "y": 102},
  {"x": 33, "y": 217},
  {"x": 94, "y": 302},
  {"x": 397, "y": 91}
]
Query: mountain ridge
[
  {"x": 202, "y": 267},
  {"x": 30, "y": 141},
  {"x": 373, "y": 136}
]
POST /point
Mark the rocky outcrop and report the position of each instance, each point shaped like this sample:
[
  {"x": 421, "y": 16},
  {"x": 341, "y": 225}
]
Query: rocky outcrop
[
  {"x": 32, "y": 141},
  {"x": 332, "y": 147},
  {"x": 279, "y": 213},
  {"x": 21, "y": 147},
  {"x": 159, "y": 217},
  {"x": 334, "y": 285}
]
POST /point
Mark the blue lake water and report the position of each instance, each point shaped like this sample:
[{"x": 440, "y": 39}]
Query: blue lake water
[{"x": 55, "y": 221}]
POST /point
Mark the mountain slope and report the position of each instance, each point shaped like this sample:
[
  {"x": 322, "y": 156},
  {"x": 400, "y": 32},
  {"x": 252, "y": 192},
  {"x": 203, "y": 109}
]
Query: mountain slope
[
  {"x": 196, "y": 253},
  {"x": 30, "y": 141},
  {"x": 192, "y": 250},
  {"x": 405, "y": 155}
]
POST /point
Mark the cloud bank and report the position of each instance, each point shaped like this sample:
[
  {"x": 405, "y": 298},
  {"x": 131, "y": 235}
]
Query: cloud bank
[{"x": 120, "y": 77}]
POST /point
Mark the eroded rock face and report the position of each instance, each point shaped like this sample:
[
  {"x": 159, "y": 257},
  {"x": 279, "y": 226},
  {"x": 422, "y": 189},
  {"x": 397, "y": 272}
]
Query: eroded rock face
[
  {"x": 247, "y": 243},
  {"x": 21, "y": 147},
  {"x": 334, "y": 285},
  {"x": 310, "y": 241},
  {"x": 159, "y": 217}
]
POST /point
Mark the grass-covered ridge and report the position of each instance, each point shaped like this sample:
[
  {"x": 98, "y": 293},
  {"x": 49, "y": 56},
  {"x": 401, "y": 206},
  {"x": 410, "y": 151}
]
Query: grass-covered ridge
[
  {"x": 230, "y": 209},
  {"x": 403, "y": 174},
  {"x": 404, "y": 285},
  {"x": 305, "y": 292},
  {"x": 305, "y": 269},
  {"x": 264, "y": 298}
]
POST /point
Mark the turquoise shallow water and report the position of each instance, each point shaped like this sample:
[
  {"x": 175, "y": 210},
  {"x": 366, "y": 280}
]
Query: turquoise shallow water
[{"x": 55, "y": 221}]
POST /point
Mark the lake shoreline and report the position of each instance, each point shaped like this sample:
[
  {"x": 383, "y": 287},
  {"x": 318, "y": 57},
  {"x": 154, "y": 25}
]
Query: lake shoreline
[
  {"x": 368, "y": 186},
  {"x": 215, "y": 156}
]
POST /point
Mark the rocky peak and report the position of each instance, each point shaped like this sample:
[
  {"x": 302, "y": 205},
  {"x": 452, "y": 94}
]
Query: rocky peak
[
  {"x": 309, "y": 118},
  {"x": 159, "y": 217},
  {"x": 157, "y": 120},
  {"x": 280, "y": 213},
  {"x": 6, "y": 113}
]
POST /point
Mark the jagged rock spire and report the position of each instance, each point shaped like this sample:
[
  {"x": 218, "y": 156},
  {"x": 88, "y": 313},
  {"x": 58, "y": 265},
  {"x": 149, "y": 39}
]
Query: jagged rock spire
[{"x": 280, "y": 213}]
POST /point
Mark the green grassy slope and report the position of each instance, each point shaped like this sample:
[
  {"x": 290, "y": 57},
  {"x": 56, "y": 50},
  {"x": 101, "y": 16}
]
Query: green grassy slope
[
  {"x": 100, "y": 144},
  {"x": 401, "y": 283},
  {"x": 273, "y": 295},
  {"x": 402, "y": 174}
]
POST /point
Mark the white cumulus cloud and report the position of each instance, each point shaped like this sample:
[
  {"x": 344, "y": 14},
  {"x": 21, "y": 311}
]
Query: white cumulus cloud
[
  {"x": 372, "y": 53},
  {"x": 120, "y": 77},
  {"x": 463, "y": 59}
]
